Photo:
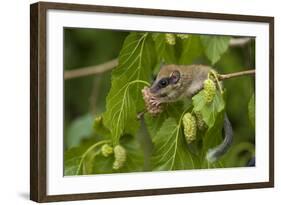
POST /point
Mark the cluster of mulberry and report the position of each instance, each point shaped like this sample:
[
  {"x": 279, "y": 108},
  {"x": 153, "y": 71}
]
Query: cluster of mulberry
[
  {"x": 120, "y": 157},
  {"x": 190, "y": 127},
  {"x": 209, "y": 90},
  {"x": 170, "y": 38},
  {"x": 106, "y": 150},
  {"x": 182, "y": 36},
  {"x": 200, "y": 122},
  {"x": 152, "y": 105}
]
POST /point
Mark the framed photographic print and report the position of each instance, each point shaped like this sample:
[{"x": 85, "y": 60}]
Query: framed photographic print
[{"x": 133, "y": 102}]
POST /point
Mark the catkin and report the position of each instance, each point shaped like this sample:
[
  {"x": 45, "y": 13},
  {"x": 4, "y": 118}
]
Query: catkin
[
  {"x": 120, "y": 157},
  {"x": 201, "y": 125},
  {"x": 209, "y": 90},
  {"x": 106, "y": 150},
  {"x": 190, "y": 127},
  {"x": 170, "y": 38},
  {"x": 182, "y": 36}
]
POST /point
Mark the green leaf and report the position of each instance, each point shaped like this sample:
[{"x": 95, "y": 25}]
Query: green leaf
[
  {"x": 214, "y": 46},
  {"x": 135, "y": 155},
  {"x": 211, "y": 110},
  {"x": 213, "y": 115},
  {"x": 72, "y": 160},
  {"x": 213, "y": 136},
  {"x": 165, "y": 52},
  {"x": 191, "y": 51},
  {"x": 170, "y": 151},
  {"x": 79, "y": 129},
  {"x": 251, "y": 110},
  {"x": 124, "y": 99},
  {"x": 102, "y": 164},
  {"x": 154, "y": 123},
  {"x": 77, "y": 159}
]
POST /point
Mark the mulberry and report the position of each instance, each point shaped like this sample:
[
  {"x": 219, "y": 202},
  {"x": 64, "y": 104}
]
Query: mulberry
[
  {"x": 170, "y": 38},
  {"x": 182, "y": 36},
  {"x": 106, "y": 150},
  {"x": 200, "y": 122},
  {"x": 209, "y": 90},
  {"x": 120, "y": 157},
  {"x": 190, "y": 127}
]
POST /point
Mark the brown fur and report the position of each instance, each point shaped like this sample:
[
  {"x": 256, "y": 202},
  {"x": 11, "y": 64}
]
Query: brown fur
[{"x": 191, "y": 81}]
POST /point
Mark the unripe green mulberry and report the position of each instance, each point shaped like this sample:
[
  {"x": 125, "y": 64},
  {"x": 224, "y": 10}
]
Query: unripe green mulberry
[
  {"x": 182, "y": 36},
  {"x": 106, "y": 150},
  {"x": 200, "y": 122},
  {"x": 170, "y": 38},
  {"x": 209, "y": 90},
  {"x": 120, "y": 157},
  {"x": 190, "y": 127}
]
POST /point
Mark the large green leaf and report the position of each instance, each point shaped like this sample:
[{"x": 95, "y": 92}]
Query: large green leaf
[
  {"x": 213, "y": 135},
  {"x": 212, "y": 138},
  {"x": 214, "y": 46},
  {"x": 170, "y": 151},
  {"x": 102, "y": 164},
  {"x": 211, "y": 110},
  {"x": 154, "y": 123},
  {"x": 191, "y": 50},
  {"x": 135, "y": 155},
  {"x": 124, "y": 99},
  {"x": 251, "y": 110},
  {"x": 213, "y": 115}
]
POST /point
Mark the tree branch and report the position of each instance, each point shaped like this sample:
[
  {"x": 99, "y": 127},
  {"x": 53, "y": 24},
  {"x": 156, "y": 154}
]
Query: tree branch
[
  {"x": 90, "y": 70},
  {"x": 239, "y": 41},
  {"x": 236, "y": 74},
  {"x": 98, "y": 69}
]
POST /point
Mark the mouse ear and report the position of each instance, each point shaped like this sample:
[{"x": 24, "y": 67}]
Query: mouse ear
[{"x": 175, "y": 76}]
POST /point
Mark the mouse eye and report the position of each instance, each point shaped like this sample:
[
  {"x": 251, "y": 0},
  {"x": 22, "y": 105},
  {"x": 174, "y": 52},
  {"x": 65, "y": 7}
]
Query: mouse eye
[{"x": 163, "y": 83}]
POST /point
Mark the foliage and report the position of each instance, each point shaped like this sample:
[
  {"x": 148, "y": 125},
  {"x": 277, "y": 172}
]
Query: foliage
[
  {"x": 214, "y": 46},
  {"x": 170, "y": 152},
  {"x": 118, "y": 126},
  {"x": 124, "y": 98},
  {"x": 209, "y": 111}
]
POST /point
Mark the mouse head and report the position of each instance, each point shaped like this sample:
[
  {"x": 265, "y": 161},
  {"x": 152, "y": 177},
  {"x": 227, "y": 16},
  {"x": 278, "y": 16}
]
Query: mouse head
[{"x": 166, "y": 86}]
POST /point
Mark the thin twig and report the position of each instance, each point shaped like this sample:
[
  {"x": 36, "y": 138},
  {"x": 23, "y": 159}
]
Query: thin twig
[
  {"x": 91, "y": 70},
  {"x": 236, "y": 74}
]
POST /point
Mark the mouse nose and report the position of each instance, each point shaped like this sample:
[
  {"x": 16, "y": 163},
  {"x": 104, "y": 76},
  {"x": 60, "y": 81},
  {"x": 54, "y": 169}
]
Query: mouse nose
[{"x": 153, "y": 89}]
